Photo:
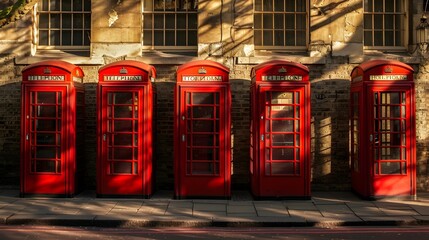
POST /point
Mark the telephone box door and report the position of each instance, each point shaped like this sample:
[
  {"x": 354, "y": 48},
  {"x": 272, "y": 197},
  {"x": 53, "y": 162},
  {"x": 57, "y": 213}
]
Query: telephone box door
[
  {"x": 282, "y": 141},
  {"x": 390, "y": 140},
  {"x": 121, "y": 150},
  {"x": 202, "y": 148},
  {"x": 45, "y": 143}
]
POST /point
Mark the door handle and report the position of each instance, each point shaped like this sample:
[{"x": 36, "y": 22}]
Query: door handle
[
  {"x": 27, "y": 137},
  {"x": 104, "y": 137},
  {"x": 183, "y": 138},
  {"x": 262, "y": 137}
]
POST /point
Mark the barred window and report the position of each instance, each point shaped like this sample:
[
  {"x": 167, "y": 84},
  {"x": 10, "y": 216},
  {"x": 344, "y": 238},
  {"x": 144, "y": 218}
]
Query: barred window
[
  {"x": 280, "y": 24},
  {"x": 170, "y": 24},
  {"x": 384, "y": 24},
  {"x": 64, "y": 24}
]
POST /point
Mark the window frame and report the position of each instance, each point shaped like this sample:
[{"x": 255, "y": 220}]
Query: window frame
[
  {"x": 170, "y": 48},
  {"x": 403, "y": 30},
  {"x": 284, "y": 47},
  {"x": 37, "y": 28}
]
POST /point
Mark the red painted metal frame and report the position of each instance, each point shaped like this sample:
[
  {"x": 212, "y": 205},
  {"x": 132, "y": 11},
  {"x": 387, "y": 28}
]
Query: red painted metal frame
[
  {"x": 279, "y": 186},
  {"x": 140, "y": 184},
  {"x": 364, "y": 181},
  {"x": 196, "y": 186},
  {"x": 61, "y": 184}
]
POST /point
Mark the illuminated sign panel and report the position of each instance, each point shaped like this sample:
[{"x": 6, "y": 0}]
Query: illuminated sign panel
[
  {"x": 388, "y": 77},
  {"x": 282, "y": 78},
  {"x": 122, "y": 78},
  {"x": 46, "y": 78},
  {"x": 202, "y": 78}
]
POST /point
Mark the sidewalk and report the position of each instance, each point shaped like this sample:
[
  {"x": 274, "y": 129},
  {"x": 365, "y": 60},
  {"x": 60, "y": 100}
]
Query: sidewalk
[{"x": 323, "y": 210}]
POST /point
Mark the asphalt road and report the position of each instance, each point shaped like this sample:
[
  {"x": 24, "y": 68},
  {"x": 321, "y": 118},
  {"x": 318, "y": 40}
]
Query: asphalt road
[{"x": 354, "y": 233}]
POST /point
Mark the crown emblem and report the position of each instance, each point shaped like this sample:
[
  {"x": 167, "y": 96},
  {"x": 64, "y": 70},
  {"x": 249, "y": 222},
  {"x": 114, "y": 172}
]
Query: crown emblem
[
  {"x": 282, "y": 70},
  {"x": 202, "y": 70},
  {"x": 388, "y": 70},
  {"x": 123, "y": 71}
]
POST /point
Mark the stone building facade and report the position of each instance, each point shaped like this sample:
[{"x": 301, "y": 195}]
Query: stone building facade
[{"x": 330, "y": 39}]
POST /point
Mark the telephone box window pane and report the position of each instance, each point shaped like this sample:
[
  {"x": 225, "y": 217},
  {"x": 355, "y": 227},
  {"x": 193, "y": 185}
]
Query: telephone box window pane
[
  {"x": 390, "y": 154},
  {"x": 202, "y": 168},
  {"x": 390, "y": 168},
  {"x": 297, "y": 143},
  {"x": 281, "y": 111},
  {"x": 203, "y": 126},
  {"x": 204, "y": 140},
  {"x": 202, "y": 112},
  {"x": 282, "y": 125},
  {"x": 281, "y": 97},
  {"x": 46, "y": 139},
  {"x": 396, "y": 112},
  {"x": 122, "y": 167},
  {"x": 45, "y": 125},
  {"x": 283, "y": 153},
  {"x": 46, "y": 97},
  {"x": 45, "y": 166},
  {"x": 202, "y": 98},
  {"x": 46, "y": 152},
  {"x": 47, "y": 111},
  {"x": 123, "y": 112},
  {"x": 122, "y": 153},
  {"x": 404, "y": 167},
  {"x": 123, "y": 139},
  {"x": 202, "y": 154},
  {"x": 123, "y": 126},
  {"x": 282, "y": 139},
  {"x": 297, "y": 154},
  {"x": 282, "y": 168}
]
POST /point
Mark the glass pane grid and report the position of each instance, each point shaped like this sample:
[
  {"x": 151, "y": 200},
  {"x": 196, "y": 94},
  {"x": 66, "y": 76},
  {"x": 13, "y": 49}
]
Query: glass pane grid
[
  {"x": 122, "y": 129},
  {"x": 202, "y": 135},
  {"x": 45, "y": 132},
  {"x": 282, "y": 134},
  {"x": 62, "y": 23},
  {"x": 170, "y": 23},
  {"x": 390, "y": 150}
]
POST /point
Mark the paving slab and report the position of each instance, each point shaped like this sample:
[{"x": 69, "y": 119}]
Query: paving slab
[
  {"x": 241, "y": 209},
  {"x": 210, "y": 207},
  {"x": 310, "y": 216}
]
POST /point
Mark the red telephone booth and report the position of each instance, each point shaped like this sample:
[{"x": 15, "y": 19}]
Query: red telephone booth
[
  {"x": 383, "y": 138},
  {"x": 202, "y": 130},
  {"x": 125, "y": 103},
  {"x": 52, "y": 128},
  {"x": 280, "y": 130}
]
